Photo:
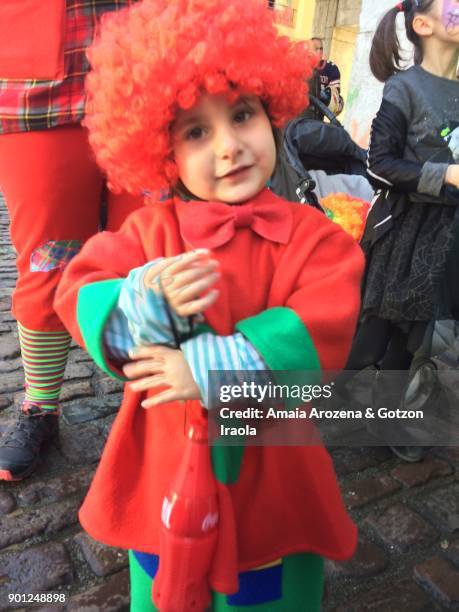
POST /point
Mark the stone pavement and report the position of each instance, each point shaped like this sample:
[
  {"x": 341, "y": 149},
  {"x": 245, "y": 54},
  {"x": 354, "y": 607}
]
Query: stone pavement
[{"x": 408, "y": 515}]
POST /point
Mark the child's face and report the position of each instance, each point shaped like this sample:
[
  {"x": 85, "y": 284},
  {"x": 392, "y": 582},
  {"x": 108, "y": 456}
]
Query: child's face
[
  {"x": 224, "y": 151},
  {"x": 445, "y": 15},
  {"x": 450, "y": 16}
]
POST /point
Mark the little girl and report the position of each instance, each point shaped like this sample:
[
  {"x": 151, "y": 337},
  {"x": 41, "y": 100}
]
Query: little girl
[
  {"x": 198, "y": 89},
  {"x": 411, "y": 275}
]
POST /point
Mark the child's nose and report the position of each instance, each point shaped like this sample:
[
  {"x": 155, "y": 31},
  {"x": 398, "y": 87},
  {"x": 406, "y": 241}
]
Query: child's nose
[{"x": 227, "y": 144}]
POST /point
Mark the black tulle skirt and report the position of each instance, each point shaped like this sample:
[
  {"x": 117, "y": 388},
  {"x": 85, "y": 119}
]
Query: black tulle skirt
[{"x": 412, "y": 270}]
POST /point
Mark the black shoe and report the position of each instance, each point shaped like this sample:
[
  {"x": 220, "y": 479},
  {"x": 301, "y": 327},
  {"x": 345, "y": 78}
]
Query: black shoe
[{"x": 21, "y": 443}]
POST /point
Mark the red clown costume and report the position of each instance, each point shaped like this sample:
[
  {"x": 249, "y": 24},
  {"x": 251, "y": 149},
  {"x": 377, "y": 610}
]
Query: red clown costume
[
  {"x": 289, "y": 284},
  {"x": 303, "y": 295}
]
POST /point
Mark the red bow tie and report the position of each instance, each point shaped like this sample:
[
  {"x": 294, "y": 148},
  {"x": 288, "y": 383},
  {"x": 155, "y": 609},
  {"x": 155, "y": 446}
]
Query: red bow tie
[{"x": 212, "y": 224}]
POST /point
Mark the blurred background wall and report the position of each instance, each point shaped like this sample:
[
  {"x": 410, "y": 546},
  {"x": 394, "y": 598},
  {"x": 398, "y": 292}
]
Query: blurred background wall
[{"x": 347, "y": 28}]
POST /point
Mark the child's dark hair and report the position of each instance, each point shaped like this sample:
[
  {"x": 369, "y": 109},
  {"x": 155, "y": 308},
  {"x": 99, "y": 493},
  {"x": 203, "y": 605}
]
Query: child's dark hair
[{"x": 385, "y": 58}]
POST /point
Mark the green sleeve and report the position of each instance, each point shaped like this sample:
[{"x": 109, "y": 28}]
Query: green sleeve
[
  {"x": 285, "y": 344},
  {"x": 281, "y": 338},
  {"x": 95, "y": 303}
]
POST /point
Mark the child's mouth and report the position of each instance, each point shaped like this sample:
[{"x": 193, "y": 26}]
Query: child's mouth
[{"x": 235, "y": 172}]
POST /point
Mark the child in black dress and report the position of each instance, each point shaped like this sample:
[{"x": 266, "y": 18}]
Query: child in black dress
[{"x": 414, "y": 161}]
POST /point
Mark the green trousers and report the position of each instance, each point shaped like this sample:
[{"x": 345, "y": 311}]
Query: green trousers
[{"x": 301, "y": 590}]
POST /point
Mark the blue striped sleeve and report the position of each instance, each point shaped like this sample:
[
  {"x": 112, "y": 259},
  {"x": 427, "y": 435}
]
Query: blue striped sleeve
[
  {"x": 146, "y": 311},
  {"x": 117, "y": 337},
  {"x": 233, "y": 356},
  {"x": 140, "y": 318}
]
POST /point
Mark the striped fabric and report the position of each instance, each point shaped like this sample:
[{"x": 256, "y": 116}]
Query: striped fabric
[
  {"x": 44, "y": 356},
  {"x": 117, "y": 337},
  {"x": 140, "y": 319},
  {"x": 146, "y": 311},
  {"x": 38, "y": 105},
  {"x": 234, "y": 357}
]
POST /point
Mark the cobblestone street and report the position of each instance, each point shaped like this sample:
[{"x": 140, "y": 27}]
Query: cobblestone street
[{"x": 408, "y": 515}]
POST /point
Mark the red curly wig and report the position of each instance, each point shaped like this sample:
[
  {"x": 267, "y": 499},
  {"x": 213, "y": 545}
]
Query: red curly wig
[{"x": 159, "y": 55}]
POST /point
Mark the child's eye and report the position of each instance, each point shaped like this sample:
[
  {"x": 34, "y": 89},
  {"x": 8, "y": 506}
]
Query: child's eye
[
  {"x": 242, "y": 115},
  {"x": 194, "y": 133}
]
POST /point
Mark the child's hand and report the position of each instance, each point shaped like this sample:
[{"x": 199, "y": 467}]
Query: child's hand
[
  {"x": 184, "y": 280},
  {"x": 452, "y": 175},
  {"x": 160, "y": 366}
]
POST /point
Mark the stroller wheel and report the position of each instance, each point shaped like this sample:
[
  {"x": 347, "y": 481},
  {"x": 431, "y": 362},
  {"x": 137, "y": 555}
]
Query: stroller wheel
[
  {"x": 423, "y": 382},
  {"x": 411, "y": 454},
  {"x": 415, "y": 395}
]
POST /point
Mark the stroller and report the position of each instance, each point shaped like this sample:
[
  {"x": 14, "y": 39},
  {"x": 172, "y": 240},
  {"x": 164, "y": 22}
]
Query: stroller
[{"x": 318, "y": 159}]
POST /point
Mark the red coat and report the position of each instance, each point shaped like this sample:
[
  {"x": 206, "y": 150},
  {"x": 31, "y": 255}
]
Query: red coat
[{"x": 286, "y": 499}]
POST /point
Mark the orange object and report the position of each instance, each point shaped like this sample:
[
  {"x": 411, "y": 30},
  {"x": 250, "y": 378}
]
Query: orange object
[
  {"x": 349, "y": 212},
  {"x": 189, "y": 530}
]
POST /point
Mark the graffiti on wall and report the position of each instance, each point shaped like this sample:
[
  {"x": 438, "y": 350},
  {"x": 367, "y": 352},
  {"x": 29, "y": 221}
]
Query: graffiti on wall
[
  {"x": 359, "y": 125},
  {"x": 360, "y": 133}
]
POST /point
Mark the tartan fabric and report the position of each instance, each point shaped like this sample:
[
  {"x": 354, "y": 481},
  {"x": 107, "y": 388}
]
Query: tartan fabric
[
  {"x": 38, "y": 105},
  {"x": 53, "y": 255}
]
